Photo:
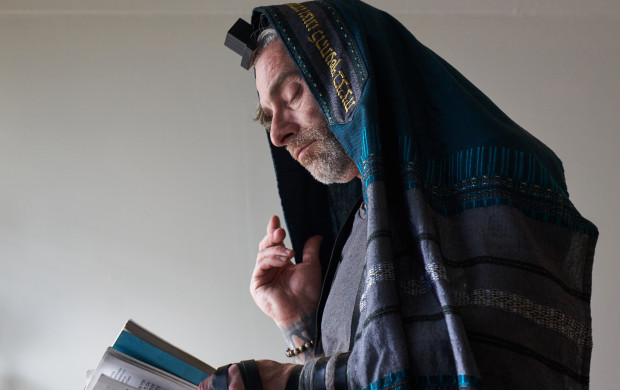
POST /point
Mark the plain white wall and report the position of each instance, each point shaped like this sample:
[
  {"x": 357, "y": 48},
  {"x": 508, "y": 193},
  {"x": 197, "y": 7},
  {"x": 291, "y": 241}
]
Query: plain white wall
[{"x": 133, "y": 183}]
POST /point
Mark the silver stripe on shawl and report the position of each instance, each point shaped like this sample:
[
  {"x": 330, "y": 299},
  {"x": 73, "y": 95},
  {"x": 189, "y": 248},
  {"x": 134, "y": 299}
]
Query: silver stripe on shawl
[
  {"x": 540, "y": 315},
  {"x": 385, "y": 271},
  {"x": 436, "y": 271},
  {"x": 378, "y": 273}
]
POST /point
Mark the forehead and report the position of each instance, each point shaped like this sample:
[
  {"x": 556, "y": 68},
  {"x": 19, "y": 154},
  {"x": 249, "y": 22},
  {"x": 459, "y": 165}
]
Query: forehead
[{"x": 273, "y": 63}]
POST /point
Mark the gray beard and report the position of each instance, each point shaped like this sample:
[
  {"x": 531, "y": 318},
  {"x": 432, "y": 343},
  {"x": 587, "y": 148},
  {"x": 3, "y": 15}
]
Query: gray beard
[{"x": 326, "y": 159}]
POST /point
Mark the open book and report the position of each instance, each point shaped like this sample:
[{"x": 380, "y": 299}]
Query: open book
[{"x": 140, "y": 360}]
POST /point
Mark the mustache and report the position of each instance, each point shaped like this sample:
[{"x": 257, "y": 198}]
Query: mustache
[{"x": 307, "y": 135}]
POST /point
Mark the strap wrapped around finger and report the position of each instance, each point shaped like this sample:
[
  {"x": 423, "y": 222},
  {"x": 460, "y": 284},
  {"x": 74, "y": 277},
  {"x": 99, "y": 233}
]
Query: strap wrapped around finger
[
  {"x": 220, "y": 378},
  {"x": 250, "y": 375}
]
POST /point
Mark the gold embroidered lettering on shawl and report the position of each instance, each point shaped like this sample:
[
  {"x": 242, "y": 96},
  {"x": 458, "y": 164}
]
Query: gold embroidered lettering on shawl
[{"x": 327, "y": 52}]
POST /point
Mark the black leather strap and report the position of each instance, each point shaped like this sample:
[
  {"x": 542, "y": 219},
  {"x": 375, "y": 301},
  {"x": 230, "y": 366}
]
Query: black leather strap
[
  {"x": 318, "y": 381},
  {"x": 250, "y": 375},
  {"x": 293, "y": 381},
  {"x": 220, "y": 378},
  {"x": 340, "y": 373}
]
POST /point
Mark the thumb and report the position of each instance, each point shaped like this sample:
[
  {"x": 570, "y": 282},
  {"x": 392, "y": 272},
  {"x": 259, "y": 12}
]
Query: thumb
[{"x": 311, "y": 249}]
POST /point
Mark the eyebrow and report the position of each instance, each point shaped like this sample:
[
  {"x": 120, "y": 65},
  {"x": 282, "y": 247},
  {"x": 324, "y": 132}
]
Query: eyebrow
[
  {"x": 263, "y": 118},
  {"x": 282, "y": 77}
]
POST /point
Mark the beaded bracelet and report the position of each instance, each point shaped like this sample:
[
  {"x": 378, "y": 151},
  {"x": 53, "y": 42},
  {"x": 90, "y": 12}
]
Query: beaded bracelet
[{"x": 300, "y": 349}]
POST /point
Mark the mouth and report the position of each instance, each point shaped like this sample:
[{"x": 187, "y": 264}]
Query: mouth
[{"x": 298, "y": 154}]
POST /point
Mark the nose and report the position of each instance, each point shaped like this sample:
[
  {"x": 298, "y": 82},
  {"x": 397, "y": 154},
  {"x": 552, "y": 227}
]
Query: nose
[{"x": 283, "y": 126}]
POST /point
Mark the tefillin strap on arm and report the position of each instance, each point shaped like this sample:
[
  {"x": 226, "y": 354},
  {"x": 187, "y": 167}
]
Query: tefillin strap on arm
[{"x": 240, "y": 40}]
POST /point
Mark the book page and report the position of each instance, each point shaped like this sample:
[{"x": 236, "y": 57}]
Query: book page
[
  {"x": 132, "y": 372},
  {"x": 107, "y": 383}
]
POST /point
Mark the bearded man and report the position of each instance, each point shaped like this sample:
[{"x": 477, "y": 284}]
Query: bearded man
[{"x": 463, "y": 266}]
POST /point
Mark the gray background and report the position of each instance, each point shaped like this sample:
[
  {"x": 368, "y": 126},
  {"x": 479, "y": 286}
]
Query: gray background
[{"x": 133, "y": 183}]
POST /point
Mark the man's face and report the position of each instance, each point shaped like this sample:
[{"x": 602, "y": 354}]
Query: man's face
[{"x": 296, "y": 120}]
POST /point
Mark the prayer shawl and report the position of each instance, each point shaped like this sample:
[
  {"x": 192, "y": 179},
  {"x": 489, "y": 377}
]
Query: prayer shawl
[{"x": 478, "y": 267}]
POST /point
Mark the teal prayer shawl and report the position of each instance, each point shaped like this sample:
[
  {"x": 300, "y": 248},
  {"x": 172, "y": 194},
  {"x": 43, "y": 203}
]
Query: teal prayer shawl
[{"x": 478, "y": 267}]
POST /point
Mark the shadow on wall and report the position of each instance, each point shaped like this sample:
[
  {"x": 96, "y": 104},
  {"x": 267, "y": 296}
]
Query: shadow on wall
[{"x": 14, "y": 382}]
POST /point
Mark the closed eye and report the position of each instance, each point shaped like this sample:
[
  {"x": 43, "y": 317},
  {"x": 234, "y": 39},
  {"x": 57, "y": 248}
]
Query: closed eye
[{"x": 296, "y": 95}]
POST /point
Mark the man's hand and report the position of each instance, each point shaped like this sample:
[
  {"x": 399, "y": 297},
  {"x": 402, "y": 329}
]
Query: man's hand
[
  {"x": 273, "y": 375},
  {"x": 284, "y": 291}
]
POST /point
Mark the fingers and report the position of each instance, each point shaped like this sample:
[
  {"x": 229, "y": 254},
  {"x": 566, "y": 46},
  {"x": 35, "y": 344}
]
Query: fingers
[
  {"x": 269, "y": 260},
  {"x": 274, "y": 223},
  {"x": 275, "y": 234},
  {"x": 279, "y": 253},
  {"x": 311, "y": 249},
  {"x": 235, "y": 382},
  {"x": 274, "y": 231},
  {"x": 273, "y": 375},
  {"x": 206, "y": 384}
]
